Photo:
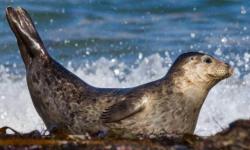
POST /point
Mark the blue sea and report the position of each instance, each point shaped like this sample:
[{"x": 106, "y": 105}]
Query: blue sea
[{"x": 124, "y": 43}]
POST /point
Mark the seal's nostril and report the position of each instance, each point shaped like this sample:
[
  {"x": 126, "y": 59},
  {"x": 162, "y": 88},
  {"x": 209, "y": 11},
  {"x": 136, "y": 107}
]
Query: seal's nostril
[{"x": 227, "y": 64}]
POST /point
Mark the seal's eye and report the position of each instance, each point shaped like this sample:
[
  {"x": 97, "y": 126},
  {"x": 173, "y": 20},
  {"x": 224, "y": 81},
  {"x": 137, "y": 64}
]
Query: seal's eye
[{"x": 208, "y": 60}]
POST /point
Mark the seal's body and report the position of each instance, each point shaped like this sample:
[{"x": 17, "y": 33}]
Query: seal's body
[{"x": 171, "y": 104}]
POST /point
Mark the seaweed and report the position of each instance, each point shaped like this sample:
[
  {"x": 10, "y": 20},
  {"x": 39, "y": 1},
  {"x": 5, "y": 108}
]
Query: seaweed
[{"x": 236, "y": 136}]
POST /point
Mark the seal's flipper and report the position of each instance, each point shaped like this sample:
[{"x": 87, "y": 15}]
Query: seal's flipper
[
  {"x": 29, "y": 41},
  {"x": 123, "y": 109}
]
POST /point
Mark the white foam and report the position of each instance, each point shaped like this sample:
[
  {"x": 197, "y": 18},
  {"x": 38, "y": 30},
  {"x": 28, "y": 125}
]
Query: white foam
[
  {"x": 16, "y": 108},
  {"x": 227, "y": 101}
]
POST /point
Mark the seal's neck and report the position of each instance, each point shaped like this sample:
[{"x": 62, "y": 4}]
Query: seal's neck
[
  {"x": 185, "y": 97},
  {"x": 196, "y": 91},
  {"x": 191, "y": 87}
]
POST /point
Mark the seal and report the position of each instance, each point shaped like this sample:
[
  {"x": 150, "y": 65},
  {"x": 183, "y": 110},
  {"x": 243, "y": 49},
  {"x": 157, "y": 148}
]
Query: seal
[{"x": 170, "y": 104}]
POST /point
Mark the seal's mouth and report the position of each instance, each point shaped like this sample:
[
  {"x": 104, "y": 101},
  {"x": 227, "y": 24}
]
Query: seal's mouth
[{"x": 213, "y": 76}]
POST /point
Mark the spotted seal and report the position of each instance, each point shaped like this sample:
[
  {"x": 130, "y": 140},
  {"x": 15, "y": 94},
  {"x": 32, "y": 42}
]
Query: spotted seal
[{"x": 171, "y": 104}]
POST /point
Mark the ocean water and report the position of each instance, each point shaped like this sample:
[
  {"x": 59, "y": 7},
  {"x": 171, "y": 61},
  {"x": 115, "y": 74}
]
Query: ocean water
[{"x": 124, "y": 43}]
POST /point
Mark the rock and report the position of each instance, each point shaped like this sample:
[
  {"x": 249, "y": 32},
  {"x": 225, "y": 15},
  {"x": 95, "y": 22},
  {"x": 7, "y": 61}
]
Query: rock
[{"x": 237, "y": 137}]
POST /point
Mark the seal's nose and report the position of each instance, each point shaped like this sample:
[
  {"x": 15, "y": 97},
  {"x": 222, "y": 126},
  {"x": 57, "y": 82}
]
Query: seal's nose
[{"x": 230, "y": 69}]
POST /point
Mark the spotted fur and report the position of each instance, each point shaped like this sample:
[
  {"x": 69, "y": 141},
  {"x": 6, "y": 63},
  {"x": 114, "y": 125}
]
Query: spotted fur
[{"x": 170, "y": 104}]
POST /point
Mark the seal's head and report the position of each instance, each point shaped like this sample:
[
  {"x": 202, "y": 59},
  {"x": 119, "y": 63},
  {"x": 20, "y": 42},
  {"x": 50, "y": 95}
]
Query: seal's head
[{"x": 201, "y": 69}]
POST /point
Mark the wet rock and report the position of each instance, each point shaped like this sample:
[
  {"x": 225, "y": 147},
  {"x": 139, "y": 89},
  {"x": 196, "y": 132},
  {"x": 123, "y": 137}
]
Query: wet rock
[{"x": 236, "y": 137}]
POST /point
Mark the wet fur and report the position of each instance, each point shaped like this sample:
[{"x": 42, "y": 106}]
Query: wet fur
[{"x": 63, "y": 100}]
